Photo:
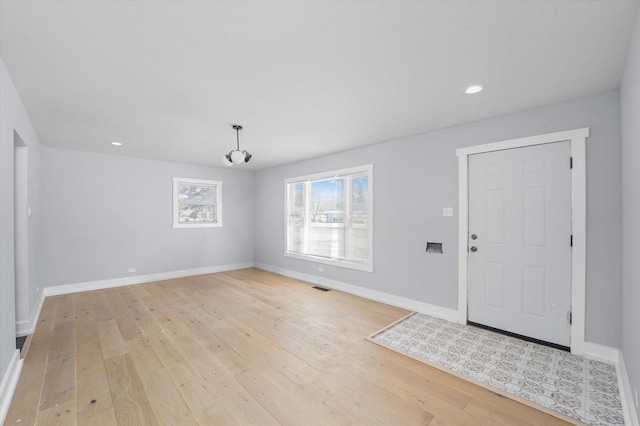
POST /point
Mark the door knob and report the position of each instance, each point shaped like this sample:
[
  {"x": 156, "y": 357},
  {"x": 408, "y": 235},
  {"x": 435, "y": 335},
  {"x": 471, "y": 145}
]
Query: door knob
[
  {"x": 474, "y": 237},
  {"x": 474, "y": 249}
]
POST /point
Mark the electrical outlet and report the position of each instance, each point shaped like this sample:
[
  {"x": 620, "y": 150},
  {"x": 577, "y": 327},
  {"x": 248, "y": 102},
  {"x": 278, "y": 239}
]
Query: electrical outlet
[
  {"x": 132, "y": 269},
  {"x": 37, "y": 289},
  {"x": 447, "y": 211},
  {"x": 635, "y": 388},
  {"x": 320, "y": 269}
]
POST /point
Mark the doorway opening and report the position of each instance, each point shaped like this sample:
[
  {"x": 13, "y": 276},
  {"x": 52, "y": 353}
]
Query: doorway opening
[{"x": 20, "y": 228}]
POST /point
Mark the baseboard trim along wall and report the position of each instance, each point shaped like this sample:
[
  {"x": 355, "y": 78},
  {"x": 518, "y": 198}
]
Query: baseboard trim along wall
[
  {"x": 28, "y": 327},
  {"x": 602, "y": 353},
  {"x": 614, "y": 356},
  {"x": 141, "y": 279},
  {"x": 626, "y": 395},
  {"x": 24, "y": 328},
  {"x": 9, "y": 383},
  {"x": 379, "y": 296}
]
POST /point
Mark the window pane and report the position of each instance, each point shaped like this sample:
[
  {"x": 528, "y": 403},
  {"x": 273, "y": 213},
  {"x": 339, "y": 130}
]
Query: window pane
[
  {"x": 358, "y": 232},
  {"x": 190, "y": 213},
  {"x": 196, "y": 194},
  {"x": 296, "y": 217},
  {"x": 327, "y": 201},
  {"x": 326, "y": 232}
]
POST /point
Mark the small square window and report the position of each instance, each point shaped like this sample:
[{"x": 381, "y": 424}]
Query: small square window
[{"x": 197, "y": 203}]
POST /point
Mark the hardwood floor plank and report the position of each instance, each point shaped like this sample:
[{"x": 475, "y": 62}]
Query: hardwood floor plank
[
  {"x": 116, "y": 304},
  {"x": 83, "y": 308},
  {"x": 105, "y": 418},
  {"x": 370, "y": 404},
  {"x": 88, "y": 339},
  {"x": 59, "y": 384},
  {"x": 128, "y": 327},
  {"x": 166, "y": 402},
  {"x": 196, "y": 392},
  {"x": 63, "y": 343},
  {"x": 293, "y": 339},
  {"x": 271, "y": 393},
  {"x": 143, "y": 317},
  {"x": 93, "y": 394},
  {"x": 130, "y": 403},
  {"x": 241, "y": 344},
  {"x": 111, "y": 340},
  {"x": 221, "y": 352},
  {"x": 65, "y": 311},
  {"x": 62, "y": 414},
  {"x": 101, "y": 308},
  {"x": 242, "y": 408}
]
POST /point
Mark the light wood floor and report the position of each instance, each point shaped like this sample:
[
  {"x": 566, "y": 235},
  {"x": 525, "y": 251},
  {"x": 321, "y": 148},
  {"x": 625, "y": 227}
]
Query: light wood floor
[{"x": 244, "y": 347}]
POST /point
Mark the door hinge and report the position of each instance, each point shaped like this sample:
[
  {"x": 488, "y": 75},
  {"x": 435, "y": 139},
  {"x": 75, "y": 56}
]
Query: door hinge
[
  {"x": 571, "y": 241},
  {"x": 571, "y": 162},
  {"x": 569, "y": 317}
]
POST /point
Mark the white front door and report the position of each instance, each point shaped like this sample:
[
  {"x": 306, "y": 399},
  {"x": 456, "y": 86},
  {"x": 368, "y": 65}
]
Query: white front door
[{"x": 519, "y": 276}]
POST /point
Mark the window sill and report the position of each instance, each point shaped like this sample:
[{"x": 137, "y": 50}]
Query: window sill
[{"x": 335, "y": 262}]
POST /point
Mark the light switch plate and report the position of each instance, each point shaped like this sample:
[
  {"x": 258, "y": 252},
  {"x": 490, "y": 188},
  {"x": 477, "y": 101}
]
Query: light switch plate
[{"x": 447, "y": 211}]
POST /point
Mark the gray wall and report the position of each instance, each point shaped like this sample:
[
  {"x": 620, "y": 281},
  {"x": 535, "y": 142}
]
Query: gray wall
[
  {"x": 415, "y": 177},
  {"x": 106, "y": 213},
  {"x": 630, "y": 124},
  {"x": 14, "y": 121}
]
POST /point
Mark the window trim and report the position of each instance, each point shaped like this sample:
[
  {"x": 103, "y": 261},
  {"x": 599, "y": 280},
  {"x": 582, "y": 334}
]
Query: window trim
[
  {"x": 366, "y": 266},
  {"x": 176, "y": 185}
]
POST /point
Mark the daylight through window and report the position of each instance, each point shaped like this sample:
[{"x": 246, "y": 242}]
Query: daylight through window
[
  {"x": 329, "y": 217},
  {"x": 196, "y": 203}
]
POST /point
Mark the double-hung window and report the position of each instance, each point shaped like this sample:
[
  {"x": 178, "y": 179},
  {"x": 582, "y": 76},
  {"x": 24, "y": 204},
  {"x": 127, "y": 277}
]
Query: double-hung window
[
  {"x": 197, "y": 203},
  {"x": 329, "y": 217}
]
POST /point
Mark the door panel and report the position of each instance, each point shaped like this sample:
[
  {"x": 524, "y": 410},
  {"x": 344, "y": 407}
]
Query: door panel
[
  {"x": 535, "y": 291},
  {"x": 494, "y": 285},
  {"x": 520, "y": 209},
  {"x": 495, "y": 216}
]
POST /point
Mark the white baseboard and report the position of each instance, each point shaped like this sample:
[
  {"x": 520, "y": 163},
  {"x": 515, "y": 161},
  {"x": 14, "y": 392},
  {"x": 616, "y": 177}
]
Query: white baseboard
[
  {"x": 614, "y": 356},
  {"x": 140, "y": 279},
  {"x": 601, "y": 353},
  {"x": 626, "y": 395},
  {"x": 379, "y": 296},
  {"x": 24, "y": 328},
  {"x": 9, "y": 383}
]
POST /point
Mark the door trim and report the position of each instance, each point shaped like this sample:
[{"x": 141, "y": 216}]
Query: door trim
[{"x": 578, "y": 138}]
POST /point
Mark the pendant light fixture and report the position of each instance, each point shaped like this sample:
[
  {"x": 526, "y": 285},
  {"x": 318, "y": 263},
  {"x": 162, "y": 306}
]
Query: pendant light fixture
[{"x": 236, "y": 156}]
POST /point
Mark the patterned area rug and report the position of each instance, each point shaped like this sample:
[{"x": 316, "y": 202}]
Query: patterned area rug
[{"x": 574, "y": 386}]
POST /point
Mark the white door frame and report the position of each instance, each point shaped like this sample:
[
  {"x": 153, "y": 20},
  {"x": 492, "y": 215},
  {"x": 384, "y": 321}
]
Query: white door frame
[{"x": 578, "y": 138}]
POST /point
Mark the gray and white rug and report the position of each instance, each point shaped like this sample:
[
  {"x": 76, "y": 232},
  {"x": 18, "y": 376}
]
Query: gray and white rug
[{"x": 577, "y": 387}]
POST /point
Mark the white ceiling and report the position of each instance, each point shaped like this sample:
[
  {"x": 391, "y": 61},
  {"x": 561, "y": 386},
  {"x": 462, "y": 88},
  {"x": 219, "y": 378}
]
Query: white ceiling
[{"x": 305, "y": 78}]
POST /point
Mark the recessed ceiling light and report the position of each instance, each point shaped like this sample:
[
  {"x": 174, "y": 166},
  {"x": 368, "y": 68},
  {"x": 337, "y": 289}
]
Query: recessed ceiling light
[
  {"x": 473, "y": 89},
  {"x": 116, "y": 143}
]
